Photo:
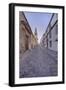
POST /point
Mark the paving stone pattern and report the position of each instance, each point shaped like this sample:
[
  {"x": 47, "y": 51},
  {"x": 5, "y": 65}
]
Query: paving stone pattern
[{"x": 38, "y": 62}]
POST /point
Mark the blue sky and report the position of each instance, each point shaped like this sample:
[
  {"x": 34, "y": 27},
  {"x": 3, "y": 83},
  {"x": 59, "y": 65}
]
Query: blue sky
[{"x": 39, "y": 21}]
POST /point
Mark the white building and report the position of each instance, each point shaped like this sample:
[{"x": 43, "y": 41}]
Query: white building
[{"x": 50, "y": 37}]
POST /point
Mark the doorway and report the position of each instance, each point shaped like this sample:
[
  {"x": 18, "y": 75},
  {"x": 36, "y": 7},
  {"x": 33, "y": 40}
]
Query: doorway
[{"x": 27, "y": 42}]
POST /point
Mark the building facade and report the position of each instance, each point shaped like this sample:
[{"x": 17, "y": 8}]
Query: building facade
[
  {"x": 50, "y": 37},
  {"x": 27, "y": 39}
]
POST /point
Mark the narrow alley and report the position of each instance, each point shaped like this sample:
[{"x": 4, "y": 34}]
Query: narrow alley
[{"x": 38, "y": 62}]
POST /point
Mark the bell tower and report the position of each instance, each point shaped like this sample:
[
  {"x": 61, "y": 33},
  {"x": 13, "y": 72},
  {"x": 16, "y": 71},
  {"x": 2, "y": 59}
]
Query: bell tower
[{"x": 35, "y": 33}]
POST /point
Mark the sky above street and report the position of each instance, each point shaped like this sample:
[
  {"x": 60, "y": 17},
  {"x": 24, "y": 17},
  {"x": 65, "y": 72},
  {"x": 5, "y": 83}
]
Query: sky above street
[{"x": 38, "y": 20}]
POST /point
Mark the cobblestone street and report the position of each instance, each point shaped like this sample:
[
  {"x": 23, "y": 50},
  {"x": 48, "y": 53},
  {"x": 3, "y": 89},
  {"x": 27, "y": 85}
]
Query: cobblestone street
[{"x": 38, "y": 62}]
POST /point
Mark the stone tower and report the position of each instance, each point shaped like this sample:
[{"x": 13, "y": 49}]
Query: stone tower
[{"x": 35, "y": 33}]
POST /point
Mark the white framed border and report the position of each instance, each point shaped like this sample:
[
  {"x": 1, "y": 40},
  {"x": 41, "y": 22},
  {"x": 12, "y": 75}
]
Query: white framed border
[{"x": 40, "y": 79}]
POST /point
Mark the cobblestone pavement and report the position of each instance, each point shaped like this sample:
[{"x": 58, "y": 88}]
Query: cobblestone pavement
[{"x": 38, "y": 62}]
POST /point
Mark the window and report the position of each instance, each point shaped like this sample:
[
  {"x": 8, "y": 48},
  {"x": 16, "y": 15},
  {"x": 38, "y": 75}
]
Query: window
[
  {"x": 50, "y": 43},
  {"x": 56, "y": 40}
]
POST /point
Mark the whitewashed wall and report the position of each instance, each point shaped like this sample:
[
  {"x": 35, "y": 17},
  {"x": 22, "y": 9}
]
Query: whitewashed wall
[
  {"x": 54, "y": 36},
  {"x": 53, "y": 39}
]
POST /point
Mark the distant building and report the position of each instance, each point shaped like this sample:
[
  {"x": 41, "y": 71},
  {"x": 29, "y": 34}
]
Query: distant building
[
  {"x": 35, "y": 34},
  {"x": 50, "y": 37},
  {"x": 27, "y": 40}
]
